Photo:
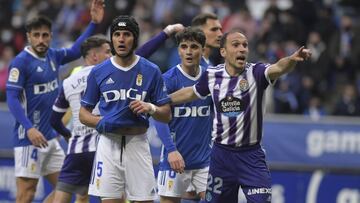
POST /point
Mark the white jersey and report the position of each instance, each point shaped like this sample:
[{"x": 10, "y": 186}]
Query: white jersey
[{"x": 83, "y": 138}]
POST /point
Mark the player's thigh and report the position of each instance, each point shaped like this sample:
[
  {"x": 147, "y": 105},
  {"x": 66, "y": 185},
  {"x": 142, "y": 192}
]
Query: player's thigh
[
  {"x": 222, "y": 184},
  {"x": 28, "y": 162},
  {"x": 108, "y": 178},
  {"x": 139, "y": 169},
  {"x": 164, "y": 199},
  {"x": 52, "y": 158},
  {"x": 199, "y": 179},
  {"x": 172, "y": 184},
  {"x": 24, "y": 184},
  {"x": 255, "y": 178}
]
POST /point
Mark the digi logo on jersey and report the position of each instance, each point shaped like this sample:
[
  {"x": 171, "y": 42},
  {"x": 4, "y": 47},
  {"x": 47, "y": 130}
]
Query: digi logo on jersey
[
  {"x": 46, "y": 87},
  {"x": 193, "y": 111},
  {"x": 123, "y": 94}
]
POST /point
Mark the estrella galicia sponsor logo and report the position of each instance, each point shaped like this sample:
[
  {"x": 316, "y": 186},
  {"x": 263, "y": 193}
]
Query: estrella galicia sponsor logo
[
  {"x": 46, "y": 87},
  {"x": 231, "y": 106},
  {"x": 123, "y": 94}
]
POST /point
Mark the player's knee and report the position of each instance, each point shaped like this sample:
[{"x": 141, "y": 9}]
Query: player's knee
[
  {"x": 25, "y": 195},
  {"x": 82, "y": 199}
]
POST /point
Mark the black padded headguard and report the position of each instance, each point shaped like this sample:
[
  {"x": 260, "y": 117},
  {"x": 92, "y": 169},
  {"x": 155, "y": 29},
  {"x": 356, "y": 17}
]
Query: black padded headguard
[{"x": 125, "y": 22}]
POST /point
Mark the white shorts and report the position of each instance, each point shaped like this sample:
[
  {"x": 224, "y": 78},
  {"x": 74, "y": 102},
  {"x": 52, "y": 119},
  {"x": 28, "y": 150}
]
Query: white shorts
[
  {"x": 172, "y": 184},
  {"x": 123, "y": 168},
  {"x": 34, "y": 162}
]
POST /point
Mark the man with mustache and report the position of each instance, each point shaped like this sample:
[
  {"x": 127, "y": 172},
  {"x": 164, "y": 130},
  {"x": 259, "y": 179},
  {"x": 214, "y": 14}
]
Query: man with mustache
[
  {"x": 237, "y": 90},
  {"x": 32, "y": 87}
]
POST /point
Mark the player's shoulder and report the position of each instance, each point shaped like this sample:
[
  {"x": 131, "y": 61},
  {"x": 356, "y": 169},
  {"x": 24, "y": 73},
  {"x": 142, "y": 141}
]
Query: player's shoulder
[
  {"x": 171, "y": 72},
  {"x": 145, "y": 62},
  {"x": 21, "y": 59},
  {"x": 101, "y": 66},
  {"x": 218, "y": 68}
]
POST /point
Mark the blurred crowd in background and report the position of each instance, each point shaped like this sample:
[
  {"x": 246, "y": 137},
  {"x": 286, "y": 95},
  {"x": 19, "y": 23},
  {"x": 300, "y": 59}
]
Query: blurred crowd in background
[{"x": 328, "y": 84}]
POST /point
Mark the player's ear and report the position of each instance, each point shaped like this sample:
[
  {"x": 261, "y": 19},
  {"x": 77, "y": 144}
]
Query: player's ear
[{"x": 223, "y": 52}]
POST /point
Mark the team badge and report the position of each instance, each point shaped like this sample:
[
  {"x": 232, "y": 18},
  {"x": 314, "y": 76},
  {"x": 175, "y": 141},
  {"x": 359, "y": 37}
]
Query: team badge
[
  {"x": 139, "y": 79},
  {"x": 208, "y": 197},
  {"x": 97, "y": 183},
  {"x": 14, "y": 75},
  {"x": 33, "y": 167},
  {"x": 52, "y": 65},
  {"x": 170, "y": 184},
  {"x": 244, "y": 85}
]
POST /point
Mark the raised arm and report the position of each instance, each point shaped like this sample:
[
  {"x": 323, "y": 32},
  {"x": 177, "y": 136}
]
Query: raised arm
[
  {"x": 97, "y": 15},
  {"x": 147, "y": 49},
  {"x": 287, "y": 64}
]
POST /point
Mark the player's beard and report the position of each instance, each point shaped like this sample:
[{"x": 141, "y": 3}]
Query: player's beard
[{"x": 40, "y": 52}]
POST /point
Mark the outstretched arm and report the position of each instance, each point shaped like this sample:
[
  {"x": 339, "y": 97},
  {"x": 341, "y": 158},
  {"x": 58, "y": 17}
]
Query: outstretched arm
[
  {"x": 287, "y": 64},
  {"x": 183, "y": 95}
]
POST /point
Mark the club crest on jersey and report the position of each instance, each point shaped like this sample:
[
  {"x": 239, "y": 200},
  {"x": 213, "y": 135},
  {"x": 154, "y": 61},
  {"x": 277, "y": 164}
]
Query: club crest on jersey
[
  {"x": 170, "y": 184},
  {"x": 231, "y": 106},
  {"x": 139, "y": 79},
  {"x": 244, "y": 85},
  {"x": 14, "y": 75},
  {"x": 52, "y": 66}
]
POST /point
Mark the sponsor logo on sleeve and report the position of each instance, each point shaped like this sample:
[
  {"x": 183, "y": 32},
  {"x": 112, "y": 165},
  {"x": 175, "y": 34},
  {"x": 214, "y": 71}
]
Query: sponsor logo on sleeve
[{"x": 14, "y": 75}]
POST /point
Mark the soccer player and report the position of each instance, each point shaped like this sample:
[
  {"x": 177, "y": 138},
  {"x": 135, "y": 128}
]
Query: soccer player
[
  {"x": 211, "y": 26},
  {"x": 32, "y": 87},
  {"x": 191, "y": 123},
  {"x": 76, "y": 170},
  {"x": 236, "y": 88},
  {"x": 128, "y": 88},
  {"x": 207, "y": 22}
]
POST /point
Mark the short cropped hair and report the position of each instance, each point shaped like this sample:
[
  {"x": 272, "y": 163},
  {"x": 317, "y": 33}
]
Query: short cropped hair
[
  {"x": 38, "y": 22},
  {"x": 224, "y": 37},
  {"x": 92, "y": 42},
  {"x": 192, "y": 34},
  {"x": 201, "y": 19}
]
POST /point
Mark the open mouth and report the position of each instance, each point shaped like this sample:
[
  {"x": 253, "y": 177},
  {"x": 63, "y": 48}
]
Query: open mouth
[{"x": 240, "y": 58}]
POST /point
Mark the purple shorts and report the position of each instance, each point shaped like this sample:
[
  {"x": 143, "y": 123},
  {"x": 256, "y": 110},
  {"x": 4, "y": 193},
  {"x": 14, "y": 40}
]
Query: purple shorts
[
  {"x": 77, "y": 168},
  {"x": 231, "y": 168}
]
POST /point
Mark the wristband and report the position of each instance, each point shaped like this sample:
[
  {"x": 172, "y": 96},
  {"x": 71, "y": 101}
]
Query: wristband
[{"x": 153, "y": 109}]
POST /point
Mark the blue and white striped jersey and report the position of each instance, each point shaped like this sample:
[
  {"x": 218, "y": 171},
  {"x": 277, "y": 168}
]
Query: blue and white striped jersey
[{"x": 238, "y": 103}]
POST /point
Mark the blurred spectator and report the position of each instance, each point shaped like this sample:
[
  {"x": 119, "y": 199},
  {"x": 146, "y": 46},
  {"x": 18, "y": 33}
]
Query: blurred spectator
[
  {"x": 315, "y": 110},
  {"x": 7, "y": 53},
  {"x": 285, "y": 100},
  {"x": 349, "y": 102},
  {"x": 344, "y": 49}
]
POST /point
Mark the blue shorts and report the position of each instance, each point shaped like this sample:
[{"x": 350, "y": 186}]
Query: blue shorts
[
  {"x": 77, "y": 168},
  {"x": 231, "y": 168}
]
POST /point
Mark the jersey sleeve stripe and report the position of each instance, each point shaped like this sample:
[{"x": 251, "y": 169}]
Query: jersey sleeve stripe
[
  {"x": 198, "y": 94},
  {"x": 57, "y": 109}
]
